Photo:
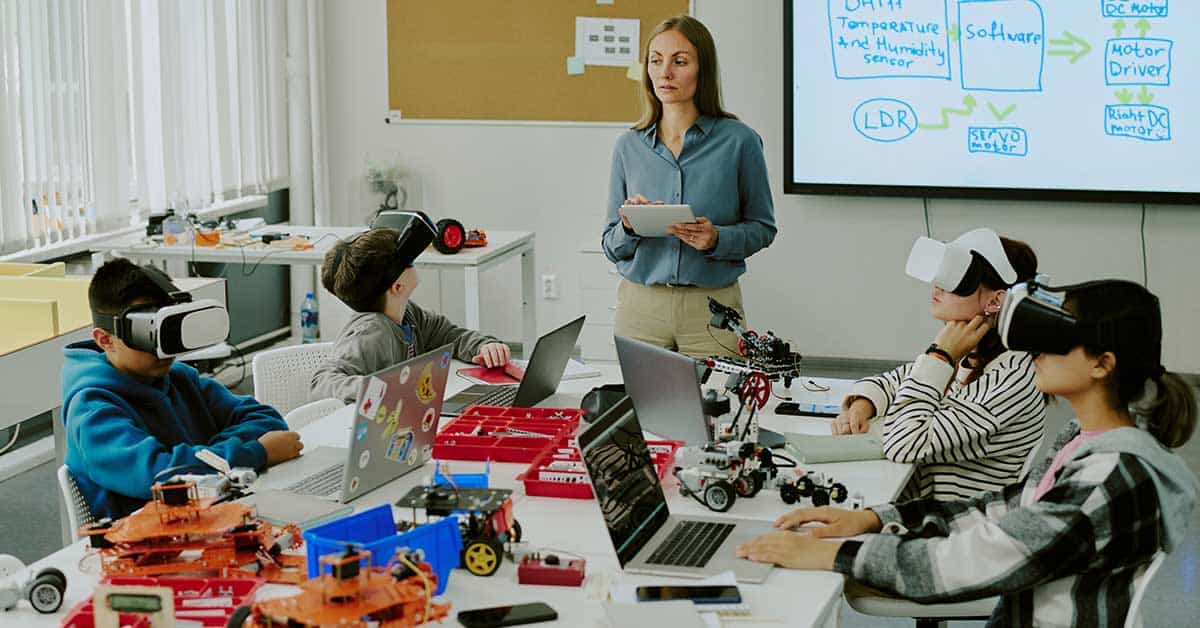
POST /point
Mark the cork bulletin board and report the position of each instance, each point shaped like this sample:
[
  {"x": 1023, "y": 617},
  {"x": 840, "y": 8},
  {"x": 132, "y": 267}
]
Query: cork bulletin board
[{"x": 509, "y": 60}]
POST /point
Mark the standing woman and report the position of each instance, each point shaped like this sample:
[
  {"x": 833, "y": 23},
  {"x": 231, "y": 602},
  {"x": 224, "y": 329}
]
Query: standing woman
[{"x": 686, "y": 149}]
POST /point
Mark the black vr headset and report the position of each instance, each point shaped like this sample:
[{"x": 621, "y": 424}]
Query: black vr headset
[
  {"x": 416, "y": 234},
  {"x": 175, "y": 325},
  {"x": 1033, "y": 319}
]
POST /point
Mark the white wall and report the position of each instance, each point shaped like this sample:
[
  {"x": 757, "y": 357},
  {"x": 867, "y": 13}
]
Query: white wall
[{"x": 833, "y": 280}]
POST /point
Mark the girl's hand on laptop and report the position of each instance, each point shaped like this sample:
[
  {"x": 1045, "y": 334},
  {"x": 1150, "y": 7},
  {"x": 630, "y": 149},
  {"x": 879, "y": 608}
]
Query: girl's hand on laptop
[
  {"x": 839, "y": 522},
  {"x": 794, "y": 550},
  {"x": 281, "y": 446},
  {"x": 493, "y": 354}
]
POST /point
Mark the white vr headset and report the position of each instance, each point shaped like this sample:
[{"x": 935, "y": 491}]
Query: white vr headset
[
  {"x": 958, "y": 266},
  {"x": 179, "y": 326}
]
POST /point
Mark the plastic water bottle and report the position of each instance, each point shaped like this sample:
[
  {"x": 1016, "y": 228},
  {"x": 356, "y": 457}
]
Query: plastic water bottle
[{"x": 309, "y": 325}]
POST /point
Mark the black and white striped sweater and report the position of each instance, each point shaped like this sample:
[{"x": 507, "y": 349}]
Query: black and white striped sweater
[{"x": 963, "y": 439}]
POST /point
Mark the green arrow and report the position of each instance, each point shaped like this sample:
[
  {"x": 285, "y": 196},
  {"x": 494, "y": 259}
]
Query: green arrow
[
  {"x": 1001, "y": 115},
  {"x": 1124, "y": 96},
  {"x": 970, "y": 103},
  {"x": 1144, "y": 96},
  {"x": 1072, "y": 41},
  {"x": 953, "y": 32},
  {"x": 1119, "y": 27},
  {"x": 1143, "y": 27}
]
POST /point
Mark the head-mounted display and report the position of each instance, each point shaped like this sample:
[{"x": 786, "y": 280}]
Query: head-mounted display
[
  {"x": 1033, "y": 319},
  {"x": 958, "y": 266},
  {"x": 174, "y": 325}
]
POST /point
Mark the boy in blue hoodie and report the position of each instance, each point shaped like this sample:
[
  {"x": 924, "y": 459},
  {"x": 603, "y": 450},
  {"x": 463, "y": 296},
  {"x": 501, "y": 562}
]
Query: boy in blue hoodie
[{"x": 130, "y": 415}]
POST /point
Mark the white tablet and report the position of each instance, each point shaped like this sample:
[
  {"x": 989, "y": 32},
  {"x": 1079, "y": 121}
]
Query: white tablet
[{"x": 652, "y": 220}]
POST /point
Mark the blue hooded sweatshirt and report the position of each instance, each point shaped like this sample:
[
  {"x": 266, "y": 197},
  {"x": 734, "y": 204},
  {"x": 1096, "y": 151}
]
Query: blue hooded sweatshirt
[{"x": 122, "y": 432}]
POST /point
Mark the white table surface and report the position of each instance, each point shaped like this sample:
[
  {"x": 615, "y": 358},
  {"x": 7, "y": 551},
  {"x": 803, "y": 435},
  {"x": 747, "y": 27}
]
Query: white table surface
[{"x": 787, "y": 598}]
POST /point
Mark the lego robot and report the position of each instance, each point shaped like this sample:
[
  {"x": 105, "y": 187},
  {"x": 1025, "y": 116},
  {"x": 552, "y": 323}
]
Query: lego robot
[
  {"x": 485, "y": 518},
  {"x": 760, "y": 353},
  {"x": 816, "y": 486},
  {"x": 718, "y": 473}
]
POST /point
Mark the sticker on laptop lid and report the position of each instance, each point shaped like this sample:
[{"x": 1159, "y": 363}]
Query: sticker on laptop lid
[
  {"x": 429, "y": 420},
  {"x": 361, "y": 432},
  {"x": 373, "y": 396},
  {"x": 354, "y": 484},
  {"x": 426, "y": 453},
  {"x": 393, "y": 421},
  {"x": 399, "y": 446},
  {"x": 425, "y": 390},
  {"x": 404, "y": 373},
  {"x": 445, "y": 360},
  {"x": 364, "y": 459}
]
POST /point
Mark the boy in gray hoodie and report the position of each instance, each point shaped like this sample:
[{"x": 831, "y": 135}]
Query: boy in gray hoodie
[
  {"x": 373, "y": 273},
  {"x": 1066, "y": 546}
]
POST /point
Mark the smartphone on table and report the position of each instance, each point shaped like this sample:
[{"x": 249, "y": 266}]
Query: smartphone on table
[
  {"x": 516, "y": 615},
  {"x": 698, "y": 594}
]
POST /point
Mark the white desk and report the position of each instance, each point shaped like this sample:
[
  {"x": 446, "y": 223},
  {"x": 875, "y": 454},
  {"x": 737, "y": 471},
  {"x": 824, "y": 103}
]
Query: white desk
[
  {"x": 502, "y": 245},
  {"x": 794, "y": 598}
]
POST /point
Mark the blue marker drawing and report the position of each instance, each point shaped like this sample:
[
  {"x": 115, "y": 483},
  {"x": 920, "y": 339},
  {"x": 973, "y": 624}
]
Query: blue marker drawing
[
  {"x": 999, "y": 140},
  {"x": 1149, "y": 123},
  {"x": 1133, "y": 8},
  {"x": 886, "y": 39},
  {"x": 1002, "y": 45},
  {"x": 885, "y": 119},
  {"x": 1138, "y": 61}
]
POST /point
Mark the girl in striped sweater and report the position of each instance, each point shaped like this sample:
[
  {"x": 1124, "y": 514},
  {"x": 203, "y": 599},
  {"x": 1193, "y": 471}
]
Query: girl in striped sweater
[
  {"x": 966, "y": 411},
  {"x": 1066, "y": 546}
]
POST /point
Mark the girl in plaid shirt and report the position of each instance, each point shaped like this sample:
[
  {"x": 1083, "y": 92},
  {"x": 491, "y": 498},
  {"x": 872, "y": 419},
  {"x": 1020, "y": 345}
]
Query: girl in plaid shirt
[{"x": 1063, "y": 547}]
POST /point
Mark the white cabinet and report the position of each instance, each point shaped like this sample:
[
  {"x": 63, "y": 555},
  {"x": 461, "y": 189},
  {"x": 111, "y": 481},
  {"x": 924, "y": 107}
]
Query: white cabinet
[{"x": 598, "y": 281}]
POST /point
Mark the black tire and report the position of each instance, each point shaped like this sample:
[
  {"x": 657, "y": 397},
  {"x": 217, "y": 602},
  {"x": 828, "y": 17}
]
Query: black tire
[
  {"x": 239, "y": 617},
  {"x": 514, "y": 533},
  {"x": 46, "y": 594},
  {"x": 838, "y": 492},
  {"x": 482, "y": 557},
  {"x": 805, "y": 487},
  {"x": 820, "y": 497},
  {"x": 451, "y": 236},
  {"x": 748, "y": 486},
  {"x": 789, "y": 494},
  {"x": 719, "y": 496},
  {"x": 54, "y": 571}
]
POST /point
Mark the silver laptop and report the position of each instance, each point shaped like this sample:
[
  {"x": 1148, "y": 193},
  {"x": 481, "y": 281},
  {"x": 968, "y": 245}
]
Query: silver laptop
[
  {"x": 542, "y": 375},
  {"x": 665, "y": 388},
  {"x": 395, "y": 421},
  {"x": 646, "y": 536}
]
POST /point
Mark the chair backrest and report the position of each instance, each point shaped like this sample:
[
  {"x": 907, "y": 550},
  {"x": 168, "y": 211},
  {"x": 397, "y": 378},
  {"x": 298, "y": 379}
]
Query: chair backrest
[
  {"x": 309, "y": 412},
  {"x": 78, "y": 513},
  {"x": 283, "y": 377},
  {"x": 1133, "y": 619}
]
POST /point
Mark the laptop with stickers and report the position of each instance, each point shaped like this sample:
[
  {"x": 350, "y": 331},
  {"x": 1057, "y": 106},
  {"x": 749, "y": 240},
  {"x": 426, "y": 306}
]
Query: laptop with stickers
[{"x": 395, "y": 421}]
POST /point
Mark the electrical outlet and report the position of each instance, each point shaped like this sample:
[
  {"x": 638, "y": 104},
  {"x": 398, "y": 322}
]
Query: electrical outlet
[{"x": 549, "y": 287}]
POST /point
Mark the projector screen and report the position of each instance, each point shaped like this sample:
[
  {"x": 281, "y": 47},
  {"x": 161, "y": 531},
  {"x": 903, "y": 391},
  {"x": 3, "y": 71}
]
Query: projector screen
[{"x": 1095, "y": 100}]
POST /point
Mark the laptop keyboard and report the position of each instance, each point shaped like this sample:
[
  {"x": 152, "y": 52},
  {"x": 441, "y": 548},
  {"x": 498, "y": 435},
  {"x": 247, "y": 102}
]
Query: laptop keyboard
[
  {"x": 691, "y": 544},
  {"x": 499, "y": 396},
  {"x": 324, "y": 483}
]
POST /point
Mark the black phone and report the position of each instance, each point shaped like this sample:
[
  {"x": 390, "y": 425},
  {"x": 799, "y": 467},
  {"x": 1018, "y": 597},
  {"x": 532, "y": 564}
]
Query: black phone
[
  {"x": 793, "y": 409},
  {"x": 700, "y": 594},
  {"x": 515, "y": 615}
]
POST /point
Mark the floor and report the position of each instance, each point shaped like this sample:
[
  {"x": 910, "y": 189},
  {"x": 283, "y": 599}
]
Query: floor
[{"x": 29, "y": 529}]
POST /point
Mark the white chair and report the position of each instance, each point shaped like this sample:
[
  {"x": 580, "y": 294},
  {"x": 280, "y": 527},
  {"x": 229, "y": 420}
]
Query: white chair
[
  {"x": 283, "y": 377},
  {"x": 309, "y": 412},
  {"x": 78, "y": 513}
]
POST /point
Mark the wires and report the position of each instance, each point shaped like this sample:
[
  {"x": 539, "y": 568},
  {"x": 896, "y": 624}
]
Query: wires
[
  {"x": 1145, "y": 262},
  {"x": 928, "y": 229},
  {"x": 16, "y": 429},
  {"x": 723, "y": 346},
  {"x": 424, "y": 579}
]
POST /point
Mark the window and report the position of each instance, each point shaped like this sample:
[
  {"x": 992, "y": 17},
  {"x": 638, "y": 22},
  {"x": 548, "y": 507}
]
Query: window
[{"x": 112, "y": 109}]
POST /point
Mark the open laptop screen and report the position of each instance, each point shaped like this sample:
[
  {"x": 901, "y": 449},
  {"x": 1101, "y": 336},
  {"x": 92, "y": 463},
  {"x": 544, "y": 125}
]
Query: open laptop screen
[{"x": 624, "y": 480}]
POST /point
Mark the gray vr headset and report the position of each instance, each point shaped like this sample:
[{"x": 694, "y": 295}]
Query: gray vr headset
[{"x": 179, "y": 325}]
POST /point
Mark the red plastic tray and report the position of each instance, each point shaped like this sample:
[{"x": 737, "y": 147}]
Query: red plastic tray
[
  {"x": 504, "y": 434},
  {"x": 572, "y": 481},
  {"x": 188, "y": 592}
]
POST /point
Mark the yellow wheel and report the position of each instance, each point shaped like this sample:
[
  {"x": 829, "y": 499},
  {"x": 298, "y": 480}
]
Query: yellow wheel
[{"x": 481, "y": 558}]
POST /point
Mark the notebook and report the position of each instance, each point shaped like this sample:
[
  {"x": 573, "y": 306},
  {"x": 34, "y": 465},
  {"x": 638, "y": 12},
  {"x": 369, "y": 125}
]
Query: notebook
[{"x": 813, "y": 449}]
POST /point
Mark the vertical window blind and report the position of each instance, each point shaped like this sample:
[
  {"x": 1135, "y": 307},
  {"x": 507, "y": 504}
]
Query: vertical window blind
[{"x": 112, "y": 109}]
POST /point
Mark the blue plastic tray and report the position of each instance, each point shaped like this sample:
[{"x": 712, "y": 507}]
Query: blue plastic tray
[{"x": 375, "y": 530}]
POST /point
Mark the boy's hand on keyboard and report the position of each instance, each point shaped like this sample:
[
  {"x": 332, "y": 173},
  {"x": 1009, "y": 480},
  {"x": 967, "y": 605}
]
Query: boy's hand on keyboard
[
  {"x": 281, "y": 446},
  {"x": 493, "y": 354}
]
